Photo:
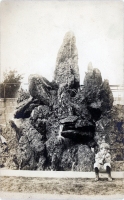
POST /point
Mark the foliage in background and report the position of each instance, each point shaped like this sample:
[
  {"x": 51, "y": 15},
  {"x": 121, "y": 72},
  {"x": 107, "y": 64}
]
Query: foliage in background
[
  {"x": 9, "y": 87},
  {"x": 22, "y": 95}
]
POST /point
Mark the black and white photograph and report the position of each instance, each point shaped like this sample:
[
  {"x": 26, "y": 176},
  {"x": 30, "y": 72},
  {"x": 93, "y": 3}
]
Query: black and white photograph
[{"x": 62, "y": 99}]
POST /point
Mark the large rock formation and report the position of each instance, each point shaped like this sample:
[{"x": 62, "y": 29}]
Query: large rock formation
[
  {"x": 63, "y": 121},
  {"x": 67, "y": 70}
]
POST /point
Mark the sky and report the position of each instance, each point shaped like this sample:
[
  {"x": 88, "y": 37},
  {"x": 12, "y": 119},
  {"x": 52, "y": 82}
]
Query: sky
[{"x": 33, "y": 31}]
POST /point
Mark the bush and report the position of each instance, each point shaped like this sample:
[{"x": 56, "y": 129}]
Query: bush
[{"x": 10, "y": 85}]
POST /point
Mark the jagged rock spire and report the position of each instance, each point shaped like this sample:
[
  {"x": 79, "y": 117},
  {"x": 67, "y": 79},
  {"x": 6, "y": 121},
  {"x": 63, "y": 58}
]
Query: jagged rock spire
[{"x": 67, "y": 70}]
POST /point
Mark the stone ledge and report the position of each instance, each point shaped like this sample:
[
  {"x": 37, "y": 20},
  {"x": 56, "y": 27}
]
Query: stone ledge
[{"x": 57, "y": 174}]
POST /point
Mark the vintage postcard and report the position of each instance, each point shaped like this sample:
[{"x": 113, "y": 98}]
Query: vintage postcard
[{"x": 61, "y": 99}]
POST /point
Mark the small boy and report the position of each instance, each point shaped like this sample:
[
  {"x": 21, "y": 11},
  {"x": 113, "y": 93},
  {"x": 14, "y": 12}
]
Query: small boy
[{"x": 103, "y": 161}]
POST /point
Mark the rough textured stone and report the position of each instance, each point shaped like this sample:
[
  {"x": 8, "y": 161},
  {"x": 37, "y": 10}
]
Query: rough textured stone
[
  {"x": 12, "y": 162},
  {"x": 77, "y": 158},
  {"x": 106, "y": 96},
  {"x": 92, "y": 83},
  {"x": 64, "y": 107},
  {"x": 30, "y": 147},
  {"x": 69, "y": 158},
  {"x": 97, "y": 94},
  {"x": 8, "y": 151},
  {"x": 25, "y": 107},
  {"x": 54, "y": 149},
  {"x": 79, "y": 105},
  {"x": 67, "y": 70},
  {"x": 69, "y": 119},
  {"x": 41, "y": 163},
  {"x": 35, "y": 139},
  {"x": 85, "y": 158},
  {"x": 52, "y": 126},
  {"x": 25, "y": 155},
  {"x": 39, "y": 118},
  {"x": 39, "y": 88},
  {"x": 41, "y": 112}
]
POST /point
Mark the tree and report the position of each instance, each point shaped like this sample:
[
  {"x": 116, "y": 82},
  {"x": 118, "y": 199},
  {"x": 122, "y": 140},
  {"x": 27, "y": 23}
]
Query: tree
[{"x": 11, "y": 84}]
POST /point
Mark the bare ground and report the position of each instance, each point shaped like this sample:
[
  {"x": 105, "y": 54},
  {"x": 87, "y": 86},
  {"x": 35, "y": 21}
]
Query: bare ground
[{"x": 76, "y": 186}]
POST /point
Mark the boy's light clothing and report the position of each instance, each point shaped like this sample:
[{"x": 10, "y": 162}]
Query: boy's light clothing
[{"x": 102, "y": 161}]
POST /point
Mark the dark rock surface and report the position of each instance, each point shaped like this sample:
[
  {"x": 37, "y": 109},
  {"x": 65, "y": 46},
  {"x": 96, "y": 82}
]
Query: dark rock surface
[
  {"x": 25, "y": 108},
  {"x": 97, "y": 93},
  {"x": 106, "y": 96},
  {"x": 55, "y": 149},
  {"x": 74, "y": 158},
  {"x": 85, "y": 163},
  {"x": 39, "y": 88},
  {"x": 25, "y": 155},
  {"x": 69, "y": 159}
]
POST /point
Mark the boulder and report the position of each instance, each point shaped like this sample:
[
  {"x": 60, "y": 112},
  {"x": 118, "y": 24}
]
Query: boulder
[
  {"x": 79, "y": 105},
  {"x": 92, "y": 84},
  {"x": 24, "y": 108},
  {"x": 37, "y": 146},
  {"x": 86, "y": 159},
  {"x": 97, "y": 94},
  {"x": 39, "y": 88},
  {"x": 106, "y": 96},
  {"x": 69, "y": 158},
  {"x": 77, "y": 158},
  {"x": 32, "y": 134},
  {"x": 54, "y": 148},
  {"x": 36, "y": 141},
  {"x": 39, "y": 118},
  {"x": 41, "y": 112},
  {"x": 25, "y": 155}
]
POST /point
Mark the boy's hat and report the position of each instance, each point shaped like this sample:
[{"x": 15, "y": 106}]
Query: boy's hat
[{"x": 104, "y": 145}]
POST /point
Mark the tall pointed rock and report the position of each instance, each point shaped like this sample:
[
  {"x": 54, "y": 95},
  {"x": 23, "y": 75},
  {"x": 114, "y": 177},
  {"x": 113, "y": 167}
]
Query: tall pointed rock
[{"x": 67, "y": 70}]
